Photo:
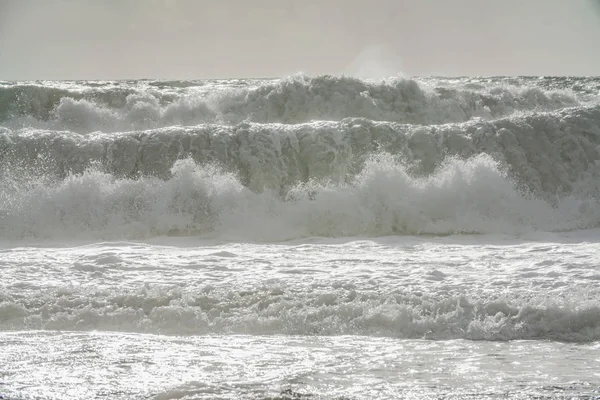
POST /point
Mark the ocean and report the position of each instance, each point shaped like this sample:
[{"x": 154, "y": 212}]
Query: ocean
[{"x": 300, "y": 238}]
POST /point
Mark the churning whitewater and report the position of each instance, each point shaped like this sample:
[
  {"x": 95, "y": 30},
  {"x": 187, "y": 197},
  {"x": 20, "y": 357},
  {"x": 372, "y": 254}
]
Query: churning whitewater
[
  {"x": 299, "y": 157},
  {"x": 306, "y": 237}
]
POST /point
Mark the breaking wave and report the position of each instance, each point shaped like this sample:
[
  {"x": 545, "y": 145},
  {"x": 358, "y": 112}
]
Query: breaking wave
[
  {"x": 473, "y": 196},
  {"x": 122, "y": 106},
  {"x": 323, "y": 156}
]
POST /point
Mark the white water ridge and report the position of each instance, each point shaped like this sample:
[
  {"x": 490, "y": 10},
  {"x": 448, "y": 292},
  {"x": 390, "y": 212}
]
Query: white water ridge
[
  {"x": 473, "y": 196},
  {"x": 122, "y": 106}
]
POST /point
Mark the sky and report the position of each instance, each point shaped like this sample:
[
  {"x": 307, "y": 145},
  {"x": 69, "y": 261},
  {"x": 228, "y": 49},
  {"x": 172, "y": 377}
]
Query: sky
[{"x": 196, "y": 39}]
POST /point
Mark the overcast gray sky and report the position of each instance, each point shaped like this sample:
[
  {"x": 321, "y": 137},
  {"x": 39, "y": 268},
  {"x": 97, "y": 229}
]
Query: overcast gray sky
[{"x": 174, "y": 39}]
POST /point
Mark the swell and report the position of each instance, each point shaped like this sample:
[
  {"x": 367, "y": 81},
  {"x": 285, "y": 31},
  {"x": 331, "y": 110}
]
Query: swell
[{"x": 119, "y": 106}]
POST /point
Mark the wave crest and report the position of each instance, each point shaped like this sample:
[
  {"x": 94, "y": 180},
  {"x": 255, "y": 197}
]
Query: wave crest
[{"x": 296, "y": 99}]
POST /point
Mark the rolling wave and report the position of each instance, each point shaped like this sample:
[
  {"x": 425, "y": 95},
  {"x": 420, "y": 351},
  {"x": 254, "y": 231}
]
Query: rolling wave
[
  {"x": 473, "y": 196},
  {"x": 276, "y": 309},
  {"x": 548, "y": 153},
  {"x": 115, "y": 106},
  {"x": 324, "y": 156}
]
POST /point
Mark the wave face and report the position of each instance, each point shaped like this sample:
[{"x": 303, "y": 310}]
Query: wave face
[{"x": 301, "y": 156}]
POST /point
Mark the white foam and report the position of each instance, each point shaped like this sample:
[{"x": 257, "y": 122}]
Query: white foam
[
  {"x": 276, "y": 309},
  {"x": 295, "y": 99},
  {"x": 548, "y": 153},
  {"x": 536, "y": 171},
  {"x": 462, "y": 196}
]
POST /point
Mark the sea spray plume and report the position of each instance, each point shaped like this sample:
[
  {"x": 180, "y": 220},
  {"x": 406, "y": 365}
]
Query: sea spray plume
[{"x": 375, "y": 62}]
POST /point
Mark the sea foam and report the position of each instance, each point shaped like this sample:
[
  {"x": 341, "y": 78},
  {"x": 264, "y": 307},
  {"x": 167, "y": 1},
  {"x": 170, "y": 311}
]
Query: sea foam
[{"x": 320, "y": 156}]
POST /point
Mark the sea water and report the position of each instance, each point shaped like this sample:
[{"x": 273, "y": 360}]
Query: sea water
[{"x": 307, "y": 237}]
